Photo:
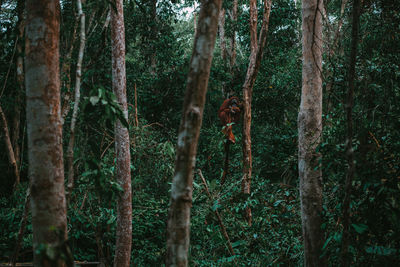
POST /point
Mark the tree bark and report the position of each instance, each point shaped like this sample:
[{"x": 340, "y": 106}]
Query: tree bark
[
  {"x": 20, "y": 81},
  {"x": 70, "y": 150},
  {"x": 221, "y": 28},
  {"x": 310, "y": 130},
  {"x": 349, "y": 138},
  {"x": 233, "y": 37},
  {"x": 123, "y": 171},
  {"x": 9, "y": 147},
  {"x": 66, "y": 70},
  {"x": 189, "y": 130},
  {"x": 46, "y": 172},
  {"x": 251, "y": 75}
]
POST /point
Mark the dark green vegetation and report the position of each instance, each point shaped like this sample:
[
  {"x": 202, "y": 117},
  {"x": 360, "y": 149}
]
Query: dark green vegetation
[{"x": 275, "y": 236}]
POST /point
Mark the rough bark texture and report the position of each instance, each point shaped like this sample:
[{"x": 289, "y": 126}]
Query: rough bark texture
[
  {"x": 9, "y": 147},
  {"x": 70, "y": 151},
  {"x": 123, "y": 172},
  {"x": 310, "y": 129},
  {"x": 251, "y": 75},
  {"x": 233, "y": 37},
  {"x": 46, "y": 172},
  {"x": 221, "y": 29},
  {"x": 349, "y": 138},
  {"x": 189, "y": 130}
]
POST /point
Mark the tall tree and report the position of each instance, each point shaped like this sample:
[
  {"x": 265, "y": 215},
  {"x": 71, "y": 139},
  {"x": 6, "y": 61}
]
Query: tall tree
[
  {"x": 251, "y": 75},
  {"x": 349, "y": 137},
  {"x": 9, "y": 147},
  {"x": 70, "y": 151},
  {"x": 234, "y": 15},
  {"x": 123, "y": 172},
  {"x": 20, "y": 80},
  {"x": 189, "y": 130},
  {"x": 310, "y": 130},
  {"x": 46, "y": 172}
]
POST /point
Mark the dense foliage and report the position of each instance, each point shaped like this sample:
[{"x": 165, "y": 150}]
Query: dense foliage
[{"x": 165, "y": 37}]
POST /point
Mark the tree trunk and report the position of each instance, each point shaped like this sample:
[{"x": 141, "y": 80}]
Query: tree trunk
[
  {"x": 70, "y": 151},
  {"x": 123, "y": 172},
  {"x": 233, "y": 37},
  {"x": 329, "y": 73},
  {"x": 9, "y": 147},
  {"x": 66, "y": 70},
  {"x": 349, "y": 138},
  {"x": 46, "y": 172},
  {"x": 221, "y": 28},
  {"x": 251, "y": 75},
  {"x": 189, "y": 130},
  {"x": 20, "y": 81},
  {"x": 153, "y": 34},
  {"x": 310, "y": 130}
]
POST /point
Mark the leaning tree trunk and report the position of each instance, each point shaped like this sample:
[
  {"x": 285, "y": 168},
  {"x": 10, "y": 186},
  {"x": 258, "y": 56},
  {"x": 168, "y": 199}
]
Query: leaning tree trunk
[
  {"x": 251, "y": 75},
  {"x": 123, "y": 172},
  {"x": 70, "y": 150},
  {"x": 46, "y": 172},
  {"x": 310, "y": 130},
  {"x": 349, "y": 138},
  {"x": 189, "y": 130},
  {"x": 9, "y": 147}
]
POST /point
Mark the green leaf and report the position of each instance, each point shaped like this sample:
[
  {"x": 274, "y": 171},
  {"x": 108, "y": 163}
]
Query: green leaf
[
  {"x": 360, "y": 228},
  {"x": 94, "y": 100}
]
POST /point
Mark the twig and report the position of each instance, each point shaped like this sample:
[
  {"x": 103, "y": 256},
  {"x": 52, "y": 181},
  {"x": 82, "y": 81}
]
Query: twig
[{"x": 221, "y": 224}]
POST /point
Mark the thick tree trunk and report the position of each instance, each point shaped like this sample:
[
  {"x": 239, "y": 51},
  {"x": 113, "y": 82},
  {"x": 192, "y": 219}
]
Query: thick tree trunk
[
  {"x": 221, "y": 29},
  {"x": 310, "y": 130},
  {"x": 251, "y": 75},
  {"x": 189, "y": 130},
  {"x": 46, "y": 171},
  {"x": 123, "y": 172},
  {"x": 349, "y": 138},
  {"x": 70, "y": 151},
  {"x": 9, "y": 147}
]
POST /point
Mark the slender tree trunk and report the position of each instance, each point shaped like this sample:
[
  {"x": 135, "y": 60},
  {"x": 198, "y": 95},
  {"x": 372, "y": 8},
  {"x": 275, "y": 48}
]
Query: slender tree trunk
[
  {"x": 349, "y": 138},
  {"x": 70, "y": 151},
  {"x": 310, "y": 130},
  {"x": 123, "y": 171},
  {"x": 20, "y": 81},
  {"x": 46, "y": 171},
  {"x": 9, "y": 147},
  {"x": 251, "y": 75},
  {"x": 221, "y": 28},
  {"x": 189, "y": 130},
  {"x": 329, "y": 73},
  {"x": 66, "y": 70},
  {"x": 153, "y": 56},
  {"x": 233, "y": 37}
]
